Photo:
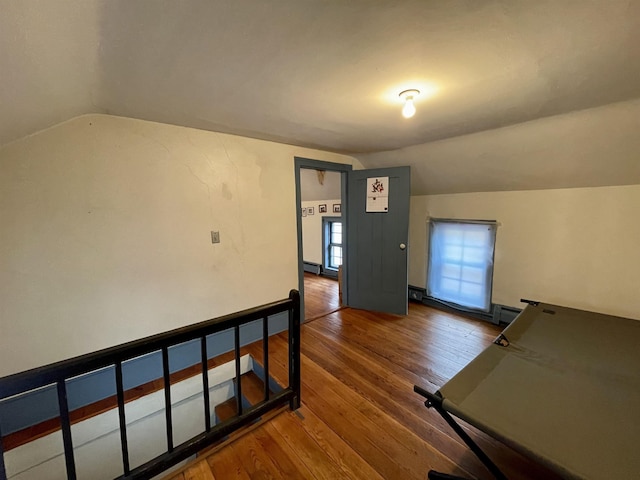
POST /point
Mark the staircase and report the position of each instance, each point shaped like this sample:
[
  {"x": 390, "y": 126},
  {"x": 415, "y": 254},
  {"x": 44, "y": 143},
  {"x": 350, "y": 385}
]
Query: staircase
[{"x": 252, "y": 394}]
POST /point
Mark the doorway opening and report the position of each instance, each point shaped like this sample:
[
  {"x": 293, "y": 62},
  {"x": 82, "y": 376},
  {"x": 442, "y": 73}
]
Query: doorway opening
[{"x": 320, "y": 203}]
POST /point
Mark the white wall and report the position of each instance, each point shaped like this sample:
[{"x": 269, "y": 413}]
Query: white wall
[
  {"x": 312, "y": 189},
  {"x": 312, "y": 229},
  {"x": 576, "y": 247},
  {"x": 106, "y": 233}
]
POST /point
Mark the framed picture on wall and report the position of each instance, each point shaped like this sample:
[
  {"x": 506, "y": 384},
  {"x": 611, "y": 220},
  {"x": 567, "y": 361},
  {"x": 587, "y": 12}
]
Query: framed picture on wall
[
  {"x": 336, "y": 208},
  {"x": 304, "y": 212},
  {"x": 322, "y": 208},
  {"x": 310, "y": 210}
]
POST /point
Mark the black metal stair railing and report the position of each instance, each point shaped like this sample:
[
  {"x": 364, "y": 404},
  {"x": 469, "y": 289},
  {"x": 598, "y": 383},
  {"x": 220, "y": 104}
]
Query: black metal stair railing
[{"x": 58, "y": 373}]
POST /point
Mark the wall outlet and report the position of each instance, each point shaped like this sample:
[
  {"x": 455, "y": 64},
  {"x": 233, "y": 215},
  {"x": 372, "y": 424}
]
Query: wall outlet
[{"x": 215, "y": 237}]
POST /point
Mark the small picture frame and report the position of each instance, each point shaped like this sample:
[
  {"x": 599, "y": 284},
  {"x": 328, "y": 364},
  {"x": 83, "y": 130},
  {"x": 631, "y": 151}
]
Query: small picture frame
[
  {"x": 304, "y": 212},
  {"x": 322, "y": 208},
  {"x": 310, "y": 210},
  {"x": 336, "y": 208}
]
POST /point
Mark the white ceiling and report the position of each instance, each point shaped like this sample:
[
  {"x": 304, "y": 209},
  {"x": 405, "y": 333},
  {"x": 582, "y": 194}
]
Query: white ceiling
[{"x": 326, "y": 73}]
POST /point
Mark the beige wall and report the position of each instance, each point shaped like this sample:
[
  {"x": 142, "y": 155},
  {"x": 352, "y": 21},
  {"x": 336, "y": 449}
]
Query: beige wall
[
  {"x": 576, "y": 247},
  {"x": 312, "y": 189},
  {"x": 312, "y": 229},
  {"x": 106, "y": 233}
]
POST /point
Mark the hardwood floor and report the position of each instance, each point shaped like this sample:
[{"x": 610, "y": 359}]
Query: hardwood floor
[
  {"x": 360, "y": 418},
  {"x": 320, "y": 295}
]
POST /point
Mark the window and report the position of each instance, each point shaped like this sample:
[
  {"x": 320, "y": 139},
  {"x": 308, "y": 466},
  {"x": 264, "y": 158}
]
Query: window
[
  {"x": 461, "y": 262},
  {"x": 332, "y": 241}
]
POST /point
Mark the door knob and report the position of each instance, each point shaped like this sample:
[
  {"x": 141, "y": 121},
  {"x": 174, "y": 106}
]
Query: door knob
[{"x": 402, "y": 246}]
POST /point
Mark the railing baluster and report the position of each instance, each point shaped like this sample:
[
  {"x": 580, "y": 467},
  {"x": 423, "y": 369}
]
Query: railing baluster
[
  {"x": 205, "y": 383},
  {"x": 3, "y": 471},
  {"x": 236, "y": 331},
  {"x": 265, "y": 355},
  {"x": 65, "y": 426},
  {"x": 294, "y": 349},
  {"x": 123, "y": 421},
  {"x": 167, "y": 397}
]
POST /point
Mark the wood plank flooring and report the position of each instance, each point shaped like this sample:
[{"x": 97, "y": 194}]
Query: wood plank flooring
[
  {"x": 321, "y": 296},
  {"x": 359, "y": 417}
]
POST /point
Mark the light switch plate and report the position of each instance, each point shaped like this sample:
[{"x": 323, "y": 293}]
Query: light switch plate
[{"x": 215, "y": 237}]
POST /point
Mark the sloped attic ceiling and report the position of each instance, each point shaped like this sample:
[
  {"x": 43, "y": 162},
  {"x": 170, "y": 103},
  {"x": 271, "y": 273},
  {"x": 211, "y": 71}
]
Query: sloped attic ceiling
[{"x": 321, "y": 73}]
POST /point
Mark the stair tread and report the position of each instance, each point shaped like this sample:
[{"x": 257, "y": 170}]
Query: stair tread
[
  {"x": 252, "y": 391},
  {"x": 226, "y": 410},
  {"x": 252, "y": 388}
]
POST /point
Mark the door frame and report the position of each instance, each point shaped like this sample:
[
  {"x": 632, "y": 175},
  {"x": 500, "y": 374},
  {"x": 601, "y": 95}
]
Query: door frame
[{"x": 343, "y": 169}]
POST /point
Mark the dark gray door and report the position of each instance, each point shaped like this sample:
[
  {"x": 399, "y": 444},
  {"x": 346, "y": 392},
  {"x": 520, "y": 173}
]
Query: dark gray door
[{"x": 377, "y": 243}]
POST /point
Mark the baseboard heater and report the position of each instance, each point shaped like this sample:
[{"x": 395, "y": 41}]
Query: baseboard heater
[
  {"x": 312, "y": 267},
  {"x": 497, "y": 315},
  {"x": 416, "y": 293},
  {"x": 505, "y": 314}
]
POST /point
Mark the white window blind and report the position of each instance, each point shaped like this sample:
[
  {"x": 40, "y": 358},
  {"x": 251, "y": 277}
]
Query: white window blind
[{"x": 461, "y": 262}]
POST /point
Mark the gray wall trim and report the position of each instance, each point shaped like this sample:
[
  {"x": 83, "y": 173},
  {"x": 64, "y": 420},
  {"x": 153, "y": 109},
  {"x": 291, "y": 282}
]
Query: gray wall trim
[{"x": 32, "y": 408}]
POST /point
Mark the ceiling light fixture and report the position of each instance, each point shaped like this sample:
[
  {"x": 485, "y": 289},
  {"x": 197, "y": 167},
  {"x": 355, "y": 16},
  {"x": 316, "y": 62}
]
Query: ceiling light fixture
[{"x": 407, "y": 96}]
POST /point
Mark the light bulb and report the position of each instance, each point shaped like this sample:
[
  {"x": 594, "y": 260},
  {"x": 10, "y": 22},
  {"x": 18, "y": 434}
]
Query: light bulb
[{"x": 409, "y": 109}]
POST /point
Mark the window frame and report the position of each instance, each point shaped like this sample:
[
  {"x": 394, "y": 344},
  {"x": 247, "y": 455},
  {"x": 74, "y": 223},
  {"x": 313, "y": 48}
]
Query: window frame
[
  {"x": 327, "y": 244},
  {"x": 488, "y": 265}
]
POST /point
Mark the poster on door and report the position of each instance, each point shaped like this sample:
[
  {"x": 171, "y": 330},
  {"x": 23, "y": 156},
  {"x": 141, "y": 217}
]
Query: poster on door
[{"x": 377, "y": 194}]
